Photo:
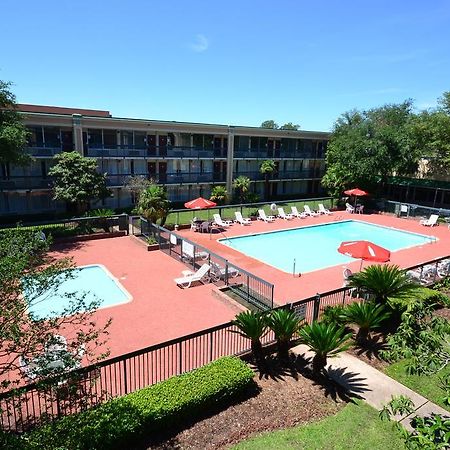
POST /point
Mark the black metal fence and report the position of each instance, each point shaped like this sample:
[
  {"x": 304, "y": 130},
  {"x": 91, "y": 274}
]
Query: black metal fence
[
  {"x": 242, "y": 284},
  {"x": 403, "y": 209}
]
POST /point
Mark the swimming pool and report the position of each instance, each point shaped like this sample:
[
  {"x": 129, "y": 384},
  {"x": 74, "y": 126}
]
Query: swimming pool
[
  {"x": 95, "y": 282},
  {"x": 315, "y": 247}
]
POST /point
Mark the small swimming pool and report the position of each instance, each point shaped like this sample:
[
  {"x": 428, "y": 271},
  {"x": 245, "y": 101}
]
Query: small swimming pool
[
  {"x": 315, "y": 247},
  {"x": 95, "y": 282}
]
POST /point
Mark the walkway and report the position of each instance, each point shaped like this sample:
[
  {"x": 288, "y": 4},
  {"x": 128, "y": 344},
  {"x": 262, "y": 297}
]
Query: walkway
[{"x": 373, "y": 386}]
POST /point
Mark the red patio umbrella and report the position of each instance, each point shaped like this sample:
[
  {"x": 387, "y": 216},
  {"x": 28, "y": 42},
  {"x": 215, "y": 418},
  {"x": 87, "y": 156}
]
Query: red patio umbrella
[
  {"x": 364, "y": 250},
  {"x": 199, "y": 203},
  {"x": 356, "y": 192}
]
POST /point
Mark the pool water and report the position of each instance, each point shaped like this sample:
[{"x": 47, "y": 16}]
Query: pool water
[
  {"x": 315, "y": 247},
  {"x": 93, "y": 282}
]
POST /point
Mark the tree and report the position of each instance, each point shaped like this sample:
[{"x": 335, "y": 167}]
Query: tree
[
  {"x": 284, "y": 324},
  {"x": 153, "y": 203},
  {"x": 27, "y": 275},
  {"x": 242, "y": 185},
  {"x": 136, "y": 184},
  {"x": 290, "y": 126},
  {"x": 219, "y": 195},
  {"x": 367, "y": 145},
  {"x": 13, "y": 134},
  {"x": 324, "y": 340},
  {"x": 252, "y": 326},
  {"x": 267, "y": 168},
  {"x": 76, "y": 180},
  {"x": 269, "y": 124}
]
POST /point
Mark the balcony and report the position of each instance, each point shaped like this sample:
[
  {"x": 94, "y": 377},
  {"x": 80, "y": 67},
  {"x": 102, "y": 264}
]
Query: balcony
[
  {"x": 153, "y": 152},
  {"x": 25, "y": 183},
  {"x": 264, "y": 153},
  {"x": 170, "y": 178},
  {"x": 283, "y": 175},
  {"x": 48, "y": 150}
]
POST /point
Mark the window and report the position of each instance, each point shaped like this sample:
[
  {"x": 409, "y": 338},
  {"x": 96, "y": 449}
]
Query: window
[
  {"x": 139, "y": 140},
  {"x": 52, "y": 137},
  {"x": 35, "y": 139},
  {"x": 110, "y": 138},
  {"x": 95, "y": 138},
  {"x": 132, "y": 167}
]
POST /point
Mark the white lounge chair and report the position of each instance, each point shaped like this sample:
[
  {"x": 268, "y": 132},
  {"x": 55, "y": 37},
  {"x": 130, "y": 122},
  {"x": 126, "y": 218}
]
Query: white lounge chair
[
  {"x": 349, "y": 208},
  {"x": 218, "y": 272},
  {"x": 187, "y": 249},
  {"x": 431, "y": 222},
  {"x": 323, "y": 210},
  {"x": 241, "y": 220},
  {"x": 221, "y": 223},
  {"x": 190, "y": 277},
  {"x": 262, "y": 216},
  {"x": 295, "y": 213},
  {"x": 283, "y": 215},
  {"x": 309, "y": 212}
]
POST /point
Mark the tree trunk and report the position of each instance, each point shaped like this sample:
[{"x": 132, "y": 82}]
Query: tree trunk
[
  {"x": 318, "y": 364},
  {"x": 362, "y": 335},
  {"x": 283, "y": 349},
  {"x": 257, "y": 351}
]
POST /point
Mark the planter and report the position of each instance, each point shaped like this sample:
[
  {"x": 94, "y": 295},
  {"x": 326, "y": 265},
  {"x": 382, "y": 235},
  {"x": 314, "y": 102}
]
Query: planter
[{"x": 152, "y": 247}]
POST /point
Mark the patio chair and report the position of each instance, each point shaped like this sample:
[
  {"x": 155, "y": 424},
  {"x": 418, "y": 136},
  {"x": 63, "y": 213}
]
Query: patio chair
[
  {"x": 323, "y": 210},
  {"x": 283, "y": 215},
  {"x": 221, "y": 223},
  {"x": 187, "y": 250},
  {"x": 359, "y": 209},
  {"x": 262, "y": 216},
  {"x": 189, "y": 277},
  {"x": 205, "y": 227},
  {"x": 28, "y": 368},
  {"x": 349, "y": 208},
  {"x": 309, "y": 212},
  {"x": 241, "y": 220},
  {"x": 297, "y": 214},
  {"x": 218, "y": 272},
  {"x": 347, "y": 273},
  {"x": 431, "y": 222}
]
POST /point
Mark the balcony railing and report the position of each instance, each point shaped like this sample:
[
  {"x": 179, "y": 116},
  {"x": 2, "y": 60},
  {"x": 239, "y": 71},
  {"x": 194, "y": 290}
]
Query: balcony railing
[
  {"x": 282, "y": 175},
  {"x": 124, "y": 151},
  {"x": 171, "y": 178},
  {"x": 264, "y": 153},
  {"x": 49, "y": 149},
  {"x": 27, "y": 182}
]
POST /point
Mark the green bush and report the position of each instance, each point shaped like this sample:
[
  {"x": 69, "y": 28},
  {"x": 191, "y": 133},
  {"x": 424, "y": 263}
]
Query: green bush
[
  {"x": 120, "y": 421},
  {"x": 421, "y": 294},
  {"x": 55, "y": 230}
]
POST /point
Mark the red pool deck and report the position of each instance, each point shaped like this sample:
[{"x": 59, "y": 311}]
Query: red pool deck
[
  {"x": 159, "y": 310},
  {"x": 289, "y": 288}
]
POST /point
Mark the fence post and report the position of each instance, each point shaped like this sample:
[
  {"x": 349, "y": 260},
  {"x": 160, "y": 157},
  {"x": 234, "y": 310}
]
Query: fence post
[
  {"x": 316, "y": 306},
  {"x": 210, "y": 346},
  {"x": 248, "y": 287},
  {"x": 180, "y": 358},
  {"x": 125, "y": 377},
  {"x": 226, "y": 273}
]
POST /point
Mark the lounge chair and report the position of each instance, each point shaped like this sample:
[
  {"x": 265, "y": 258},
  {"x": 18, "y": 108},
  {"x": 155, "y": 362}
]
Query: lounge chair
[
  {"x": 347, "y": 273},
  {"x": 309, "y": 212},
  {"x": 283, "y": 215},
  {"x": 349, "y": 208},
  {"x": 262, "y": 216},
  {"x": 295, "y": 213},
  {"x": 241, "y": 220},
  {"x": 431, "y": 222},
  {"x": 187, "y": 250},
  {"x": 190, "y": 277},
  {"x": 221, "y": 223},
  {"x": 218, "y": 272},
  {"x": 323, "y": 210}
]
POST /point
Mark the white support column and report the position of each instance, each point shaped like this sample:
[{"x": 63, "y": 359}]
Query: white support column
[
  {"x": 230, "y": 158},
  {"x": 77, "y": 133}
]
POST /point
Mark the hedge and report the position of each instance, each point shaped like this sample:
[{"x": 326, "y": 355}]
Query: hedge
[
  {"x": 55, "y": 230},
  {"x": 124, "y": 420}
]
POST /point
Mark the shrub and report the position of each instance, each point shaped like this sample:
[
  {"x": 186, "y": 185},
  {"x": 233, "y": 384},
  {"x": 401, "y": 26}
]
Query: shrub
[
  {"x": 121, "y": 421},
  {"x": 333, "y": 315},
  {"x": 425, "y": 295}
]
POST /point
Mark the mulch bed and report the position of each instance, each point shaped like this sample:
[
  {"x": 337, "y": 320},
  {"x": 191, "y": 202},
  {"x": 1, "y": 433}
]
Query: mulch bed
[{"x": 282, "y": 399}]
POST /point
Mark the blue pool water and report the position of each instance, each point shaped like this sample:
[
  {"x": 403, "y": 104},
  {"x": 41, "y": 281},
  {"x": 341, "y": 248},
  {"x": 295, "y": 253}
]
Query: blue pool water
[
  {"x": 315, "y": 247},
  {"x": 94, "y": 282}
]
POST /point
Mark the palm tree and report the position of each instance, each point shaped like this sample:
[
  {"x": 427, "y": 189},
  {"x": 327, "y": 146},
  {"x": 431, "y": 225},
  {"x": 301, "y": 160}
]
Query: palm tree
[
  {"x": 267, "y": 168},
  {"x": 153, "y": 203},
  {"x": 383, "y": 281},
  {"x": 242, "y": 185},
  {"x": 252, "y": 326},
  {"x": 325, "y": 340},
  {"x": 284, "y": 323},
  {"x": 219, "y": 194},
  {"x": 367, "y": 316}
]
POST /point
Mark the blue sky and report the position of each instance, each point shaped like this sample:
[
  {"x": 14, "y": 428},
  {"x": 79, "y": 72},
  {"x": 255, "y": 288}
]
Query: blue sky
[{"x": 234, "y": 62}]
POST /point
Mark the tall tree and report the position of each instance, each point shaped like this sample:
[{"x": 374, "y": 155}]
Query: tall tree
[
  {"x": 269, "y": 124},
  {"x": 367, "y": 145},
  {"x": 153, "y": 203},
  {"x": 27, "y": 275},
  {"x": 290, "y": 126},
  {"x": 13, "y": 134},
  {"x": 267, "y": 168},
  {"x": 77, "y": 181}
]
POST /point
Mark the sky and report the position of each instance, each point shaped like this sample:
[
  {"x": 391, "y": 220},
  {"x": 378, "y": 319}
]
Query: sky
[{"x": 236, "y": 62}]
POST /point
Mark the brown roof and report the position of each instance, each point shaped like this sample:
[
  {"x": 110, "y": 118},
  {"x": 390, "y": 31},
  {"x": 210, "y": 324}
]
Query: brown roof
[{"x": 60, "y": 110}]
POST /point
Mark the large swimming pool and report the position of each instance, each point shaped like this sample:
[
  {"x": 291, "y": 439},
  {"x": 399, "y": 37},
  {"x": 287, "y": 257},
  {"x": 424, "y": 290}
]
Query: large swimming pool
[
  {"x": 315, "y": 247},
  {"x": 94, "y": 282}
]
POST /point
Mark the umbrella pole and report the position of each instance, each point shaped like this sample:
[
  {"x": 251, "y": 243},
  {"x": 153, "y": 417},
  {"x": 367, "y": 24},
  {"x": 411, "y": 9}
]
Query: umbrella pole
[{"x": 360, "y": 266}]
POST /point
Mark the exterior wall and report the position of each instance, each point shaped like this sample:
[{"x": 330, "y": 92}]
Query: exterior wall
[{"x": 189, "y": 159}]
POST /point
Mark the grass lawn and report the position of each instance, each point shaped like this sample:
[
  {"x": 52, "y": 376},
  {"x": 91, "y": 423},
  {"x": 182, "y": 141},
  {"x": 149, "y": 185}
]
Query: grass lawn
[
  {"x": 356, "y": 426},
  {"x": 426, "y": 385},
  {"x": 227, "y": 212}
]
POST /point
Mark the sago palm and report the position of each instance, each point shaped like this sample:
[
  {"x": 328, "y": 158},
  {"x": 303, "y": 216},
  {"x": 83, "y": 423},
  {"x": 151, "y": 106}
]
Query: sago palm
[
  {"x": 242, "y": 185},
  {"x": 325, "y": 340},
  {"x": 252, "y": 326},
  {"x": 153, "y": 203},
  {"x": 367, "y": 316},
  {"x": 383, "y": 281},
  {"x": 284, "y": 324},
  {"x": 219, "y": 194}
]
